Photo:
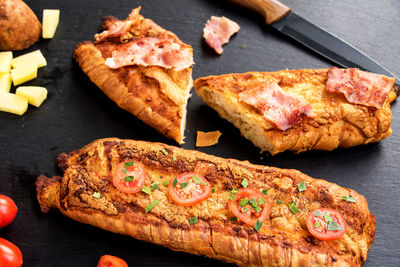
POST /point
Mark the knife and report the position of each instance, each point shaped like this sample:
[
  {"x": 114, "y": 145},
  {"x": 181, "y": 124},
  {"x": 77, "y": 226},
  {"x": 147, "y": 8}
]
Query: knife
[{"x": 283, "y": 19}]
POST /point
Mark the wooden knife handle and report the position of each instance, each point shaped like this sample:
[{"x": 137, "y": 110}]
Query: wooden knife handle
[{"x": 272, "y": 10}]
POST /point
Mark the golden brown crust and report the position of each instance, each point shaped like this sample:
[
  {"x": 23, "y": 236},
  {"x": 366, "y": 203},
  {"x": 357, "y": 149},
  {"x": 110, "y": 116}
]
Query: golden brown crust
[
  {"x": 155, "y": 95},
  {"x": 337, "y": 123},
  {"x": 282, "y": 241},
  {"x": 15, "y": 18}
]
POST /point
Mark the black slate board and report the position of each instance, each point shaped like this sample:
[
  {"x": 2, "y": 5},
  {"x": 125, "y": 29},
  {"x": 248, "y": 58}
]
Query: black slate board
[{"x": 76, "y": 113}]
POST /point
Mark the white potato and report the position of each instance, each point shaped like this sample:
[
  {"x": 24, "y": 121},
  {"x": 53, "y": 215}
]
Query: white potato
[
  {"x": 34, "y": 94},
  {"x": 13, "y": 103},
  {"x": 51, "y": 17},
  {"x": 35, "y": 56},
  {"x": 5, "y": 82},
  {"x": 24, "y": 73},
  {"x": 5, "y": 61}
]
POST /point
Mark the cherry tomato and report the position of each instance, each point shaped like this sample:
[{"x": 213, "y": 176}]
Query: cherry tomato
[
  {"x": 318, "y": 221},
  {"x": 111, "y": 261},
  {"x": 129, "y": 176},
  {"x": 249, "y": 205},
  {"x": 10, "y": 255},
  {"x": 190, "y": 189},
  {"x": 8, "y": 210}
]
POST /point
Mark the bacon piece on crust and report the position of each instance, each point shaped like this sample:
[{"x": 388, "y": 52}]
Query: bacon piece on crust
[
  {"x": 218, "y": 31},
  {"x": 360, "y": 87},
  {"x": 279, "y": 107}
]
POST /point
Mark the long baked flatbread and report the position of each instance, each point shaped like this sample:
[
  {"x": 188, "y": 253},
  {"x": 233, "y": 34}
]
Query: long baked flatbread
[
  {"x": 144, "y": 69},
  {"x": 301, "y": 110},
  {"x": 86, "y": 193}
]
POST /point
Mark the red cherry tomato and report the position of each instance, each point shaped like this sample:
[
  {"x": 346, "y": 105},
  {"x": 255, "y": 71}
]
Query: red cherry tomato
[
  {"x": 319, "y": 219},
  {"x": 129, "y": 176},
  {"x": 189, "y": 192},
  {"x": 111, "y": 261},
  {"x": 244, "y": 203},
  {"x": 10, "y": 255},
  {"x": 8, "y": 210}
]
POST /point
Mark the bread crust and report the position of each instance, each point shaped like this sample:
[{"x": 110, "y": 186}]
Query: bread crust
[
  {"x": 156, "y": 95},
  {"x": 282, "y": 241},
  {"x": 336, "y": 122}
]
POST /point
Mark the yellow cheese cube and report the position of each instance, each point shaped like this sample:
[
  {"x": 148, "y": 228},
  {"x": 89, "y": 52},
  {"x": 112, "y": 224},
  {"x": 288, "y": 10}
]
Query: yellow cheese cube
[
  {"x": 34, "y": 94},
  {"x": 13, "y": 103},
  {"x": 5, "y": 82},
  {"x": 5, "y": 61},
  {"x": 32, "y": 57},
  {"x": 24, "y": 73},
  {"x": 51, "y": 18}
]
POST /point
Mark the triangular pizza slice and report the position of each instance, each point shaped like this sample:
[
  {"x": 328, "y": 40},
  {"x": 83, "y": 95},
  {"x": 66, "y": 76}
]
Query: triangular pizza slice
[
  {"x": 300, "y": 110},
  {"x": 143, "y": 68}
]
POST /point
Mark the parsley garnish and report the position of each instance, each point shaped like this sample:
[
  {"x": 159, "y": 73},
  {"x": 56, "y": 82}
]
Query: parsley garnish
[
  {"x": 233, "y": 193},
  {"x": 96, "y": 195},
  {"x": 334, "y": 226},
  {"x": 258, "y": 225},
  {"x": 264, "y": 192},
  {"x": 245, "y": 183},
  {"x": 204, "y": 183},
  {"x": 196, "y": 179},
  {"x": 164, "y": 152},
  {"x": 301, "y": 186},
  {"x": 125, "y": 170},
  {"x": 146, "y": 190},
  {"x": 245, "y": 210},
  {"x": 279, "y": 201},
  {"x": 173, "y": 158},
  {"x": 166, "y": 182},
  {"x": 349, "y": 198},
  {"x": 243, "y": 202},
  {"x": 183, "y": 185},
  {"x": 317, "y": 213},
  {"x": 193, "y": 220},
  {"x": 261, "y": 201},
  {"x": 129, "y": 164},
  {"x": 317, "y": 224},
  {"x": 175, "y": 182},
  {"x": 154, "y": 186},
  {"x": 327, "y": 217},
  {"x": 233, "y": 219},
  {"x": 151, "y": 205},
  {"x": 293, "y": 208},
  {"x": 213, "y": 190},
  {"x": 129, "y": 178}
]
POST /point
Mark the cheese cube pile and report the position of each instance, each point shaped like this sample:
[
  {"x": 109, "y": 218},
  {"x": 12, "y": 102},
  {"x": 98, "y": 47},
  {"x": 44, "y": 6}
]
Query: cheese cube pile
[{"x": 24, "y": 68}]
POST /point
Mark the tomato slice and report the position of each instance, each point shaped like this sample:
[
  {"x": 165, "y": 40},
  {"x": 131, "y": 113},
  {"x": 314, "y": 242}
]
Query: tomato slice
[
  {"x": 111, "y": 261},
  {"x": 10, "y": 255},
  {"x": 320, "y": 220},
  {"x": 249, "y": 206},
  {"x": 129, "y": 176},
  {"x": 8, "y": 210},
  {"x": 190, "y": 189}
]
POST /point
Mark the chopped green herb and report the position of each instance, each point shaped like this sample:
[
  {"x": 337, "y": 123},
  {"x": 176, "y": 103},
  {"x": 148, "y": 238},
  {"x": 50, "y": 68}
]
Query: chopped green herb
[
  {"x": 196, "y": 179},
  {"x": 166, "y": 182},
  {"x": 243, "y": 202},
  {"x": 173, "y": 158},
  {"x": 213, "y": 190},
  {"x": 129, "y": 164},
  {"x": 327, "y": 217},
  {"x": 204, "y": 183},
  {"x": 96, "y": 195},
  {"x": 349, "y": 198},
  {"x": 252, "y": 202},
  {"x": 261, "y": 201},
  {"x": 279, "y": 201},
  {"x": 264, "y": 192},
  {"x": 164, "y": 151},
  {"x": 193, "y": 220},
  {"x": 233, "y": 193},
  {"x": 151, "y": 205},
  {"x": 301, "y": 186},
  {"x": 231, "y": 197},
  {"x": 317, "y": 224},
  {"x": 293, "y": 208},
  {"x": 183, "y": 185},
  {"x": 154, "y": 186},
  {"x": 129, "y": 178},
  {"x": 334, "y": 226},
  {"x": 258, "y": 225},
  {"x": 146, "y": 190},
  {"x": 317, "y": 213},
  {"x": 245, "y": 210},
  {"x": 125, "y": 170},
  {"x": 257, "y": 209},
  {"x": 175, "y": 182},
  {"x": 245, "y": 183},
  {"x": 233, "y": 219}
]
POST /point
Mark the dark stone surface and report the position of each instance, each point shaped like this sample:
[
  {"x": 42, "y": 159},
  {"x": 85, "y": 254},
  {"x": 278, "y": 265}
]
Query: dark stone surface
[{"x": 77, "y": 112}]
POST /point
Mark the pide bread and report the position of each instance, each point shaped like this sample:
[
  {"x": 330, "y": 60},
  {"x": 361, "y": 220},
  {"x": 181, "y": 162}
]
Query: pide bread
[{"x": 300, "y": 110}]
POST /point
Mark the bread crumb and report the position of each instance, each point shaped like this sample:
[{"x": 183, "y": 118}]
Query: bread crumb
[{"x": 207, "y": 138}]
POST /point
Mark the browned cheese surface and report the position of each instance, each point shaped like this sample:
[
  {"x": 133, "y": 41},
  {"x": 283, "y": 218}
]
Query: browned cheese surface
[
  {"x": 335, "y": 123},
  {"x": 282, "y": 241},
  {"x": 155, "y": 95}
]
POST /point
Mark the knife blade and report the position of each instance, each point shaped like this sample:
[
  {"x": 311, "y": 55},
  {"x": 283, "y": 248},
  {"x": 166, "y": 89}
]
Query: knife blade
[{"x": 283, "y": 19}]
